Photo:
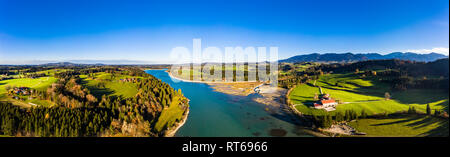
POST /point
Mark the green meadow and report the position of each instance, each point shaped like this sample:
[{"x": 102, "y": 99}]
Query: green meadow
[
  {"x": 169, "y": 115},
  {"x": 364, "y": 94},
  {"x": 112, "y": 85},
  {"x": 38, "y": 83}
]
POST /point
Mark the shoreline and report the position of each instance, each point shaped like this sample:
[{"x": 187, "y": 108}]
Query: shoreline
[{"x": 206, "y": 82}]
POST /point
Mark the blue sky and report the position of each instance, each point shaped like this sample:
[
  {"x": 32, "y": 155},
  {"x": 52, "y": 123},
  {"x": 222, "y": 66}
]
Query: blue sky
[{"x": 40, "y": 31}]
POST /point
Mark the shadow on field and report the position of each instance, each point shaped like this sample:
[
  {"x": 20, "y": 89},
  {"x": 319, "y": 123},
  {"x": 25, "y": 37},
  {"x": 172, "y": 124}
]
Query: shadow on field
[
  {"x": 99, "y": 92},
  {"x": 354, "y": 84},
  {"x": 442, "y": 130},
  {"x": 412, "y": 118}
]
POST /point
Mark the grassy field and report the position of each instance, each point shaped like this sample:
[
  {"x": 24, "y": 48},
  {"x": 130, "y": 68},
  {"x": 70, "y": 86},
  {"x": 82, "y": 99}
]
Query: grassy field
[
  {"x": 295, "y": 67},
  {"x": 38, "y": 84},
  {"x": 170, "y": 115},
  {"x": 403, "y": 126},
  {"x": 113, "y": 86},
  {"x": 45, "y": 103},
  {"x": 364, "y": 94}
]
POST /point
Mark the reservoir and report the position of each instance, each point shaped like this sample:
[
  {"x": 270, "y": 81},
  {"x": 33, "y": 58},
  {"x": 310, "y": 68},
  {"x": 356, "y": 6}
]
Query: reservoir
[{"x": 214, "y": 114}]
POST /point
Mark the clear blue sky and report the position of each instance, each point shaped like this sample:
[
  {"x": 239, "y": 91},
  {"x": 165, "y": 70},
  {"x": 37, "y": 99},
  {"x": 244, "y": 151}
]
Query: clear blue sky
[{"x": 60, "y": 30}]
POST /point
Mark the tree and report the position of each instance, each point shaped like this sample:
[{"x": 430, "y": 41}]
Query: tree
[
  {"x": 363, "y": 114},
  {"x": 428, "y": 109},
  {"x": 330, "y": 120}
]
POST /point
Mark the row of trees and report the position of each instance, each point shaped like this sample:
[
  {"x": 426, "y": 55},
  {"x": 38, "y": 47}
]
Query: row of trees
[{"x": 325, "y": 121}]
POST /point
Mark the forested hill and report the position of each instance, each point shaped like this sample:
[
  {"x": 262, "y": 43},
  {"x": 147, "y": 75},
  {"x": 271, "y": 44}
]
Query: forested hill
[
  {"x": 87, "y": 101},
  {"x": 350, "y": 57},
  {"x": 400, "y": 74}
]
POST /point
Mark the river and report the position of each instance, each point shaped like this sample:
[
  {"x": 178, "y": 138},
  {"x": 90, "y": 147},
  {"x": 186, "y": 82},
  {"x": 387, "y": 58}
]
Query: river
[{"x": 215, "y": 114}]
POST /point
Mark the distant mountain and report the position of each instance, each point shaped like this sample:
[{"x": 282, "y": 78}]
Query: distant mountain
[
  {"x": 61, "y": 64},
  {"x": 350, "y": 57}
]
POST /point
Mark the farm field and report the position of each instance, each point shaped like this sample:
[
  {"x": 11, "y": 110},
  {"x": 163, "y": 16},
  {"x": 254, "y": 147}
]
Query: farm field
[
  {"x": 364, "y": 94},
  {"x": 170, "y": 115},
  {"x": 103, "y": 83},
  {"x": 403, "y": 126},
  {"x": 38, "y": 83}
]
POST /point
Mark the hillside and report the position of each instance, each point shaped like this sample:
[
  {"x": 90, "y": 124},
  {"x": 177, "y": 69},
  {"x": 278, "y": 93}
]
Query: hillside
[{"x": 350, "y": 57}]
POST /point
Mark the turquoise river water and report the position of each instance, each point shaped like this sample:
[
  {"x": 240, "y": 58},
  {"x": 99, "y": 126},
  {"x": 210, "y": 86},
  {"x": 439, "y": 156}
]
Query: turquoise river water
[{"x": 215, "y": 114}]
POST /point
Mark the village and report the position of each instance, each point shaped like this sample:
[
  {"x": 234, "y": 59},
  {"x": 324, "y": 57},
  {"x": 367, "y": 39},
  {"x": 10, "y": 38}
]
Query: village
[{"x": 18, "y": 92}]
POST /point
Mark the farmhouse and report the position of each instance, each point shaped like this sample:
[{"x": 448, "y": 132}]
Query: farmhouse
[{"x": 325, "y": 104}]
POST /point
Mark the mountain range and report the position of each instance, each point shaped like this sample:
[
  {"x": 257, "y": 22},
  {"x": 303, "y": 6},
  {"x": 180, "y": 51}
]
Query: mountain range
[{"x": 350, "y": 57}]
